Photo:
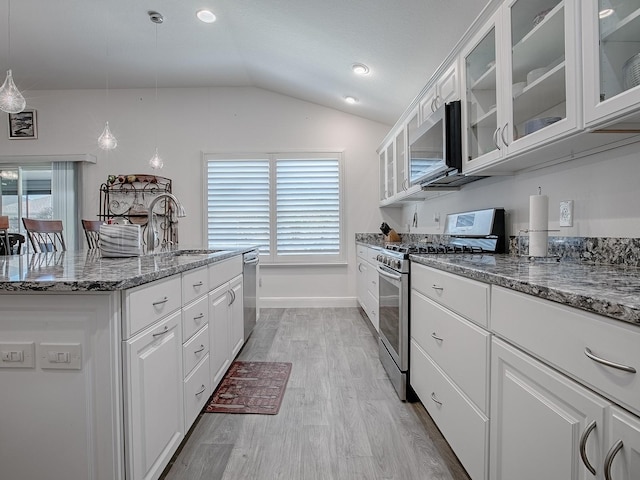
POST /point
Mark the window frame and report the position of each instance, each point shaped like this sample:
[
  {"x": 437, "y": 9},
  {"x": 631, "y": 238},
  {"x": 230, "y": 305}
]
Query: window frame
[{"x": 273, "y": 258}]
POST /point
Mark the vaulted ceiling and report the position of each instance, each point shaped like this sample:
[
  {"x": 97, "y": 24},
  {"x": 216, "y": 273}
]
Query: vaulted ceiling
[{"x": 301, "y": 48}]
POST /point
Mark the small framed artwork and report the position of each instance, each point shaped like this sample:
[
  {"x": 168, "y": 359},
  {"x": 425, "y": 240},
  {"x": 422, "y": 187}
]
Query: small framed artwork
[{"x": 23, "y": 125}]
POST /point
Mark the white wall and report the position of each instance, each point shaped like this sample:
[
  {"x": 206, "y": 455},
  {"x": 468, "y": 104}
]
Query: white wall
[
  {"x": 192, "y": 121},
  {"x": 605, "y": 188}
]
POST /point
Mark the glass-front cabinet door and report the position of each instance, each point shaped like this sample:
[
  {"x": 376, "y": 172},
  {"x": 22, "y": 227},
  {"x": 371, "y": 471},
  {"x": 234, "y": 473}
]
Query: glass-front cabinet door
[
  {"x": 521, "y": 81},
  {"x": 481, "y": 109},
  {"x": 543, "y": 71},
  {"x": 611, "y": 50},
  {"x": 401, "y": 162}
]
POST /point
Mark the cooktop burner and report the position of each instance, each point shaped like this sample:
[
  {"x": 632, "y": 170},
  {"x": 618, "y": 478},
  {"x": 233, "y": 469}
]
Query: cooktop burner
[{"x": 416, "y": 248}]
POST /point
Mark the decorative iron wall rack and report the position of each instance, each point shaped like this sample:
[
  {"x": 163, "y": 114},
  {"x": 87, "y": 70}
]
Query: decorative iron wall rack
[{"x": 126, "y": 199}]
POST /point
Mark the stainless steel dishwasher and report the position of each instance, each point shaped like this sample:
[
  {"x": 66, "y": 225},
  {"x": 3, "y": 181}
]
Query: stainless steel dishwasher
[{"x": 250, "y": 290}]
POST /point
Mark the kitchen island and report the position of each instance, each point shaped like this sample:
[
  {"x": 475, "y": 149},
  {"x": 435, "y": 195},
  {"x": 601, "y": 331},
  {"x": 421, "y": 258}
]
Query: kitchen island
[{"x": 106, "y": 362}]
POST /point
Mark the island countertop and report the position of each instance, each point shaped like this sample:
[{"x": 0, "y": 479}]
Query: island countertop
[
  {"x": 609, "y": 290},
  {"x": 87, "y": 271}
]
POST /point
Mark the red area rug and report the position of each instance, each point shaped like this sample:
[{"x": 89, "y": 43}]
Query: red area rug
[{"x": 251, "y": 387}]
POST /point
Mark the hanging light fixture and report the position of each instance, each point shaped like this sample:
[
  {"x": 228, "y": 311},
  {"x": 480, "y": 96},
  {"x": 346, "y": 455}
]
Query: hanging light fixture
[
  {"x": 107, "y": 140},
  {"x": 11, "y": 100},
  {"x": 156, "y": 161}
]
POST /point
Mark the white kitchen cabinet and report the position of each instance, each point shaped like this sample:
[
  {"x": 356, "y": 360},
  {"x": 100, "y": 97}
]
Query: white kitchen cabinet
[
  {"x": 154, "y": 415},
  {"x": 367, "y": 283},
  {"x": 219, "y": 323},
  {"x": 520, "y": 78},
  {"x": 622, "y": 460},
  {"x": 608, "y": 44},
  {"x": 236, "y": 316},
  {"x": 445, "y": 89},
  {"x": 450, "y": 360},
  {"x": 540, "y": 421}
]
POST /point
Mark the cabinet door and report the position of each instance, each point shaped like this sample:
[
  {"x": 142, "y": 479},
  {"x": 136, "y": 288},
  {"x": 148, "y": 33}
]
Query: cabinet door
[
  {"x": 383, "y": 175},
  {"x": 154, "y": 396},
  {"x": 236, "y": 316},
  {"x": 540, "y": 421},
  {"x": 611, "y": 53},
  {"x": 622, "y": 461},
  {"x": 540, "y": 69},
  {"x": 401, "y": 176},
  {"x": 361, "y": 282},
  {"x": 481, "y": 105},
  {"x": 219, "y": 351}
]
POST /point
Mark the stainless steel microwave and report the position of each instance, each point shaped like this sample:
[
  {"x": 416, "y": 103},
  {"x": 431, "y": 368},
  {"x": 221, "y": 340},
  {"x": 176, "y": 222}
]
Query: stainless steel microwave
[{"x": 435, "y": 148}]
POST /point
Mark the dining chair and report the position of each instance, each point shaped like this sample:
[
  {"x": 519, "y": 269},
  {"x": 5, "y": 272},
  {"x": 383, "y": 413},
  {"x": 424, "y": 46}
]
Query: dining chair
[
  {"x": 45, "y": 235},
  {"x": 92, "y": 232},
  {"x": 4, "y": 234}
]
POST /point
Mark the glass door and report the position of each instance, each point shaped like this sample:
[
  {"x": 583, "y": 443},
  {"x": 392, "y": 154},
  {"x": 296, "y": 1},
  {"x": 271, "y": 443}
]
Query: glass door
[
  {"x": 538, "y": 67},
  {"x": 481, "y": 103},
  {"x": 611, "y": 30}
]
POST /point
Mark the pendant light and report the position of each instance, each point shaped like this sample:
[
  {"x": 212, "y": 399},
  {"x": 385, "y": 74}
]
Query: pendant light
[
  {"x": 11, "y": 100},
  {"x": 107, "y": 140},
  {"x": 156, "y": 162}
]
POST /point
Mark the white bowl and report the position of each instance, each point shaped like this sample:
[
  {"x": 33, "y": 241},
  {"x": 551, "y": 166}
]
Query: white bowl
[
  {"x": 517, "y": 88},
  {"x": 535, "y": 74}
]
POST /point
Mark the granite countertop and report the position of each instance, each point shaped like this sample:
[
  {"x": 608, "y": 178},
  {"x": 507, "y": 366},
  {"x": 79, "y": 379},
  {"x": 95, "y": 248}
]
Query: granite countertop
[
  {"x": 87, "y": 271},
  {"x": 609, "y": 290}
]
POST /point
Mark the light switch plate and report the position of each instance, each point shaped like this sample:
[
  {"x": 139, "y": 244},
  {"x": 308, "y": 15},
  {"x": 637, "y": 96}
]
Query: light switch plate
[
  {"x": 566, "y": 213},
  {"x": 67, "y": 356},
  {"x": 17, "y": 355}
]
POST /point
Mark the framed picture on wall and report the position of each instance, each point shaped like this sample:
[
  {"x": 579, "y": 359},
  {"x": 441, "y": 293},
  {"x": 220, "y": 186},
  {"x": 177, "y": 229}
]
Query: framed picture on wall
[{"x": 23, "y": 125}]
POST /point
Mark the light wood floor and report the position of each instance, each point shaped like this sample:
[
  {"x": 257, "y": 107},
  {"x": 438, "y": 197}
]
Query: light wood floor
[{"x": 340, "y": 417}]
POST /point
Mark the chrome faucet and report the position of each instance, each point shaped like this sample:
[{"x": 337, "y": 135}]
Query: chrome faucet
[{"x": 151, "y": 231}]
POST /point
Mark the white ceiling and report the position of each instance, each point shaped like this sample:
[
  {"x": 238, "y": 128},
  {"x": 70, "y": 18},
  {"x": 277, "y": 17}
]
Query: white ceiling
[{"x": 301, "y": 48}]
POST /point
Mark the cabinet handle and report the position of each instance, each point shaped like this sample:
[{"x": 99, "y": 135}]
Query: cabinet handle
[
  {"x": 202, "y": 389},
  {"x": 163, "y": 332},
  {"x": 433, "y": 106},
  {"x": 199, "y": 317},
  {"x": 504, "y": 129},
  {"x": 608, "y": 460},
  {"x": 160, "y": 302},
  {"x": 433, "y": 335},
  {"x": 583, "y": 446},
  {"x": 199, "y": 350},
  {"x": 232, "y": 295},
  {"x": 436, "y": 287},
  {"x": 495, "y": 138},
  {"x": 199, "y": 284},
  {"x": 360, "y": 267},
  {"x": 608, "y": 363},
  {"x": 433, "y": 397}
]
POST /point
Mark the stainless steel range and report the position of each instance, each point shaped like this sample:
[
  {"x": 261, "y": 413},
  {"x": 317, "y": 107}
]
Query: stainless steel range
[{"x": 478, "y": 231}]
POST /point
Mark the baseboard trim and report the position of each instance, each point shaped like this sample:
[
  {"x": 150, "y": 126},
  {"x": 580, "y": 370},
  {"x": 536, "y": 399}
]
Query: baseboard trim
[{"x": 307, "y": 302}]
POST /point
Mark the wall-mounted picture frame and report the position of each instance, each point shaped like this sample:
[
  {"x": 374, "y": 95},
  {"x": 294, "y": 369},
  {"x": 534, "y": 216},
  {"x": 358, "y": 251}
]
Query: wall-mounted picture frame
[{"x": 23, "y": 125}]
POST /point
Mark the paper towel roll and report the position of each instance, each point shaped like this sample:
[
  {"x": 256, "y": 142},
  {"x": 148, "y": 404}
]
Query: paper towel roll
[{"x": 538, "y": 225}]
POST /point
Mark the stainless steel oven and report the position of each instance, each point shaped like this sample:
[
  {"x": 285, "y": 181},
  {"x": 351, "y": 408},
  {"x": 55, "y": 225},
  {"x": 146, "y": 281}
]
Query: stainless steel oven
[{"x": 393, "y": 290}]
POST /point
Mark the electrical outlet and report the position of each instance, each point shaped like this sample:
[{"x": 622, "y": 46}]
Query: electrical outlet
[{"x": 566, "y": 213}]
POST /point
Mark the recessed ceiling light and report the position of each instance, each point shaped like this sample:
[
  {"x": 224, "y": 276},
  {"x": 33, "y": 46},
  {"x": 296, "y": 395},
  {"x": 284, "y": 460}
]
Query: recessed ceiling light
[
  {"x": 206, "y": 16},
  {"x": 351, "y": 100},
  {"x": 360, "y": 69},
  {"x": 605, "y": 13}
]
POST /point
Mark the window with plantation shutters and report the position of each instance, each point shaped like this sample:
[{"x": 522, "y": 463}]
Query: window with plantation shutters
[{"x": 287, "y": 204}]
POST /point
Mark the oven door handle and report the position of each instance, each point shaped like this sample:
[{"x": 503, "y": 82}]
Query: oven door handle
[{"x": 385, "y": 273}]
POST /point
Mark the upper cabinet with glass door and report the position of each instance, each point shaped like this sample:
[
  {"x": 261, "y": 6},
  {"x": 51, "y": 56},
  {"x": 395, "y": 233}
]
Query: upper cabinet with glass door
[
  {"x": 529, "y": 95},
  {"x": 611, "y": 51}
]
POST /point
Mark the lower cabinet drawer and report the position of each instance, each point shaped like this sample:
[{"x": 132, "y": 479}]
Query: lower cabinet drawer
[
  {"x": 464, "y": 426},
  {"x": 561, "y": 335},
  {"x": 197, "y": 390},
  {"x": 458, "y": 346},
  {"x": 150, "y": 302},
  {"x": 195, "y": 349},
  {"x": 194, "y": 317}
]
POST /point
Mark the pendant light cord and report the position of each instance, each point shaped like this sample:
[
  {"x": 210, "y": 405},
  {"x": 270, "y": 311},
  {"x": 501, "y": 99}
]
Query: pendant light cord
[
  {"x": 9, "y": 33},
  {"x": 156, "y": 85}
]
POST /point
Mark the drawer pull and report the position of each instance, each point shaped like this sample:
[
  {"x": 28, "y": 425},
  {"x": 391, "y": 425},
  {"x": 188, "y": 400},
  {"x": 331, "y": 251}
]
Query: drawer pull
[
  {"x": 436, "y": 287},
  {"x": 202, "y": 389},
  {"x": 608, "y": 460},
  {"x": 433, "y": 397},
  {"x": 583, "y": 446},
  {"x": 608, "y": 363},
  {"x": 160, "y": 302},
  {"x": 200, "y": 349},
  {"x": 199, "y": 317},
  {"x": 433, "y": 335},
  {"x": 163, "y": 332},
  {"x": 199, "y": 284}
]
